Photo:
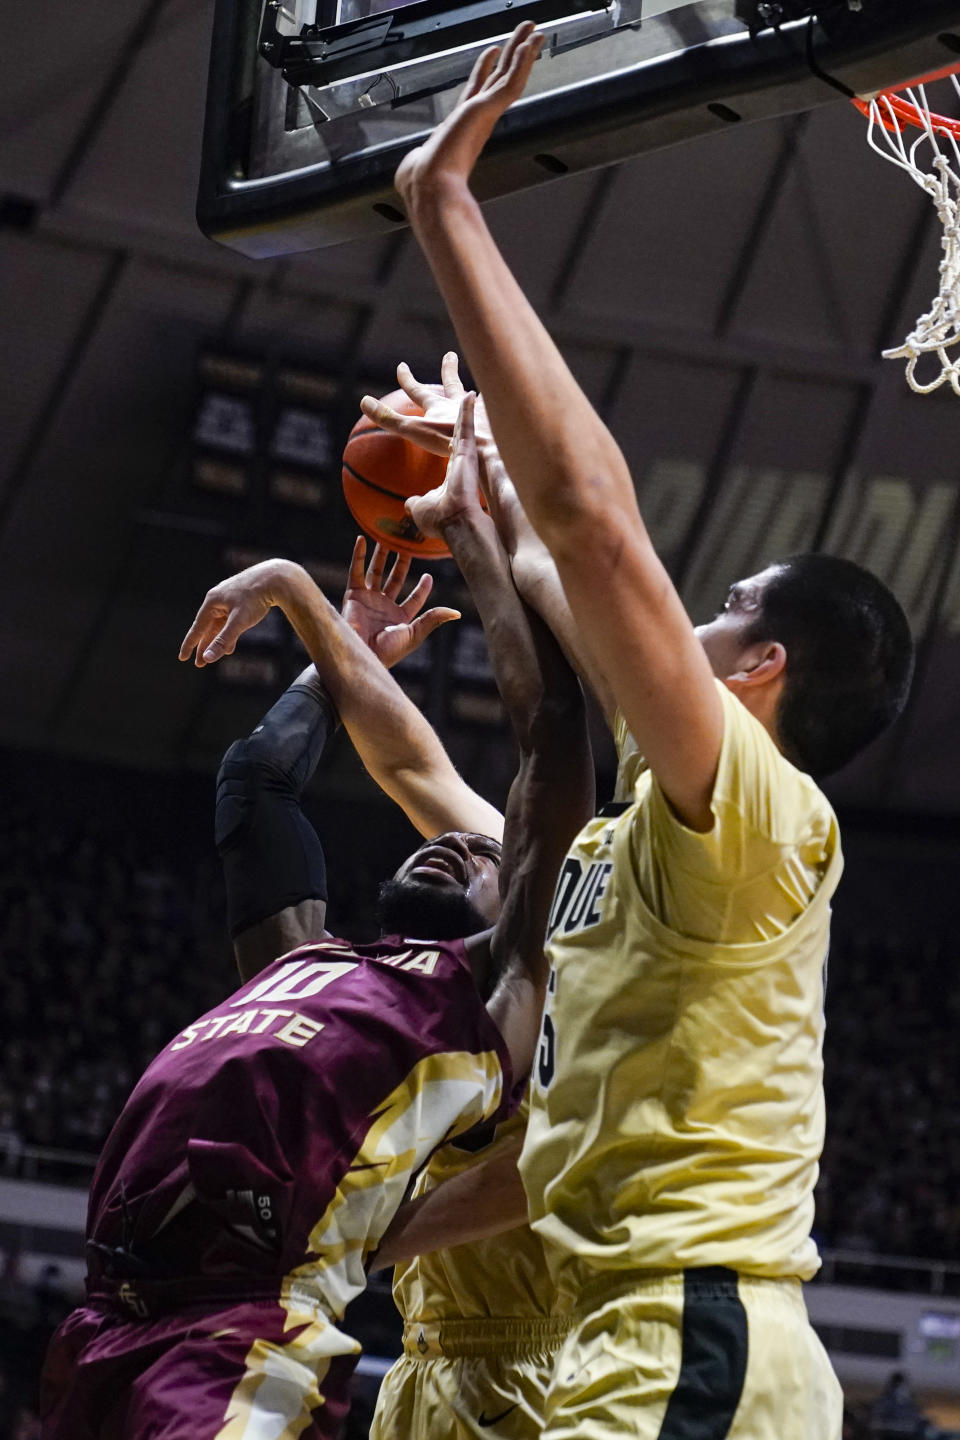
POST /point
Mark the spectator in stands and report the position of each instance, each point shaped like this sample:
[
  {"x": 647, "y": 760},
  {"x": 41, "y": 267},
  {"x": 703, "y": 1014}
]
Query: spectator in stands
[{"x": 895, "y": 1414}]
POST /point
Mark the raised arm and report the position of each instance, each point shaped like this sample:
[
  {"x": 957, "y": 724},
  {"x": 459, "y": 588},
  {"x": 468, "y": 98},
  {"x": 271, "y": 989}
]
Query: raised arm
[
  {"x": 274, "y": 868},
  {"x": 415, "y": 771},
  {"x": 572, "y": 479},
  {"x": 552, "y": 795},
  {"x": 550, "y": 799},
  {"x": 395, "y": 742},
  {"x": 536, "y": 576}
]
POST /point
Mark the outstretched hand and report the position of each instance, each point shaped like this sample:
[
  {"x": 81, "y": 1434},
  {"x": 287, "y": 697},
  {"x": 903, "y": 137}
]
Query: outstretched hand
[
  {"x": 459, "y": 495},
  {"x": 231, "y": 608},
  {"x": 449, "y": 155},
  {"x": 433, "y": 430},
  {"x": 391, "y": 627}
]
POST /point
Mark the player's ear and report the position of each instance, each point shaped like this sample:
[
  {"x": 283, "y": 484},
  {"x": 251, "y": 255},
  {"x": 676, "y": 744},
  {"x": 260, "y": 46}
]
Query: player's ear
[{"x": 760, "y": 665}]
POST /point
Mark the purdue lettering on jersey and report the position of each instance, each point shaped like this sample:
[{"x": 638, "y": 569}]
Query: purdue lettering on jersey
[
  {"x": 580, "y": 889},
  {"x": 577, "y": 906}
]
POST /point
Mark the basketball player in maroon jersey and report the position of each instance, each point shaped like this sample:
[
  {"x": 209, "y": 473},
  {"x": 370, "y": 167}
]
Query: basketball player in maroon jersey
[{"x": 262, "y": 1155}]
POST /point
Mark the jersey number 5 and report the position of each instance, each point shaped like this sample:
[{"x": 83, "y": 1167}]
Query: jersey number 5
[
  {"x": 547, "y": 1055},
  {"x": 546, "y": 1059}
]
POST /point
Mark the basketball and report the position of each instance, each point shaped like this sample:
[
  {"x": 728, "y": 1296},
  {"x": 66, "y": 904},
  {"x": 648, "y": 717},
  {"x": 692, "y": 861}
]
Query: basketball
[{"x": 380, "y": 470}]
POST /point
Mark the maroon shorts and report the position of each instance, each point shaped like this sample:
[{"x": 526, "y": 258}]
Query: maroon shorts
[{"x": 233, "y": 1373}]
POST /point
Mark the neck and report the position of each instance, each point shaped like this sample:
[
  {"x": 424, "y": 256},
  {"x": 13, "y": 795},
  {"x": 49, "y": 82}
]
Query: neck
[{"x": 762, "y": 702}]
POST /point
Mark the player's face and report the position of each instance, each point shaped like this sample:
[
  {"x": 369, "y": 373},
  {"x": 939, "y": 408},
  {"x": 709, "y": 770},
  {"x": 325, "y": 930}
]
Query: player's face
[
  {"x": 449, "y": 887},
  {"x": 459, "y": 861},
  {"x": 724, "y": 639}
]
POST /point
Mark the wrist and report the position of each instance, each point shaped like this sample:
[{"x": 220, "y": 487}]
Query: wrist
[
  {"x": 469, "y": 521},
  {"x": 429, "y": 194},
  {"x": 282, "y": 578}
]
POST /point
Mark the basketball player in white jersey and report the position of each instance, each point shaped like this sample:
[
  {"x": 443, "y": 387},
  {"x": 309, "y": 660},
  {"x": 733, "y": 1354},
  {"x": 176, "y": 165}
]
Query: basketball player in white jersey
[{"x": 677, "y": 1110}]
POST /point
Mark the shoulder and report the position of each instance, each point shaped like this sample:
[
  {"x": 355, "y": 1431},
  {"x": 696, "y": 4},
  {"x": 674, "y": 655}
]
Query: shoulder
[
  {"x": 766, "y": 812},
  {"x": 756, "y": 782}
]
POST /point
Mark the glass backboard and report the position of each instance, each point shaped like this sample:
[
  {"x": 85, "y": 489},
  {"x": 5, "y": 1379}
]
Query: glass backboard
[{"x": 313, "y": 103}]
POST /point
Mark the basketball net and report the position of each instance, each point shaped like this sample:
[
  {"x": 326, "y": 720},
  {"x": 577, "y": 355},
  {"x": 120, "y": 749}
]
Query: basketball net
[{"x": 932, "y": 160}]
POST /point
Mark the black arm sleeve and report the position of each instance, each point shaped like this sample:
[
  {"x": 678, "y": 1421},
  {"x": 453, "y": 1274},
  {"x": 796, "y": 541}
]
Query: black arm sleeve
[{"x": 272, "y": 857}]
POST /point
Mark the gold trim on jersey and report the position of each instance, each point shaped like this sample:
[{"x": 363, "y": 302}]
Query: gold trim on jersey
[
  {"x": 503, "y": 1276},
  {"x": 284, "y": 1381},
  {"x": 443, "y": 1096}
]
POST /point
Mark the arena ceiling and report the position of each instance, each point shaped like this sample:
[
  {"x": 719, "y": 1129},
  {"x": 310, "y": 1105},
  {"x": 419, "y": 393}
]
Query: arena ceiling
[{"x": 724, "y": 304}]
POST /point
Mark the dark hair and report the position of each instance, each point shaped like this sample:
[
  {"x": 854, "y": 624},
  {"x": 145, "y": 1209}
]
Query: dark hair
[{"x": 849, "y": 658}]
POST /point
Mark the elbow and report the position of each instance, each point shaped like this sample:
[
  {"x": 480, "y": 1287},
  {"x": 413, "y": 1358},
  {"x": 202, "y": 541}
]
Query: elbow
[
  {"x": 247, "y": 760},
  {"x": 567, "y": 505},
  {"x": 586, "y": 531},
  {"x": 237, "y": 763},
  {"x": 555, "y": 722},
  {"x": 243, "y": 770}
]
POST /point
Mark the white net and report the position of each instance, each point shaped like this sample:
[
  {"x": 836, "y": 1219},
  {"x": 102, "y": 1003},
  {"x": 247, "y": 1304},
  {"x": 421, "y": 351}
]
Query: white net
[{"x": 932, "y": 159}]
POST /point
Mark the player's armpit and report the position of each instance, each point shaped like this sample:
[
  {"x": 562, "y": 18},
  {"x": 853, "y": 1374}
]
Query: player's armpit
[
  {"x": 516, "y": 1008},
  {"x": 485, "y": 1200},
  {"x": 642, "y": 641},
  {"x": 259, "y": 945},
  {"x": 535, "y": 573}
]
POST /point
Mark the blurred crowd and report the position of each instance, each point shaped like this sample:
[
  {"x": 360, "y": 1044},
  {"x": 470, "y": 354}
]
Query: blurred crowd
[
  {"x": 109, "y": 948},
  {"x": 890, "y": 1174},
  {"x": 112, "y": 945},
  {"x": 106, "y": 952}
]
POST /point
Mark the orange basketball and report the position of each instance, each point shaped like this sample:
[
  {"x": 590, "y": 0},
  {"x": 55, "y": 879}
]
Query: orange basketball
[{"x": 380, "y": 470}]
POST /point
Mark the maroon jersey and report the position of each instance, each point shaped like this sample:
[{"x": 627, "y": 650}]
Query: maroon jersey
[{"x": 271, "y": 1142}]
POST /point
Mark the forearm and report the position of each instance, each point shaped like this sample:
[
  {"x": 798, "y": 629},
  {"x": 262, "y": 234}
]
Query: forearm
[
  {"x": 396, "y": 744},
  {"x": 538, "y": 582},
  {"x": 558, "y": 452},
  {"x": 485, "y": 1200},
  {"x": 516, "y": 658},
  {"x": 535, "y": 574},
  {"x": 274, "y": 868},
  {"x": 552, "y": 794}
]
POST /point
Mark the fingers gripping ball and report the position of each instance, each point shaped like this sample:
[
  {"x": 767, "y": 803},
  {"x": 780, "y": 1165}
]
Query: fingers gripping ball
[{"x": 380, "y": 471}]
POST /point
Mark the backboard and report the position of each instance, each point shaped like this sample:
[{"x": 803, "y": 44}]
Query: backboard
[{"x": 313, "y": 103}]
